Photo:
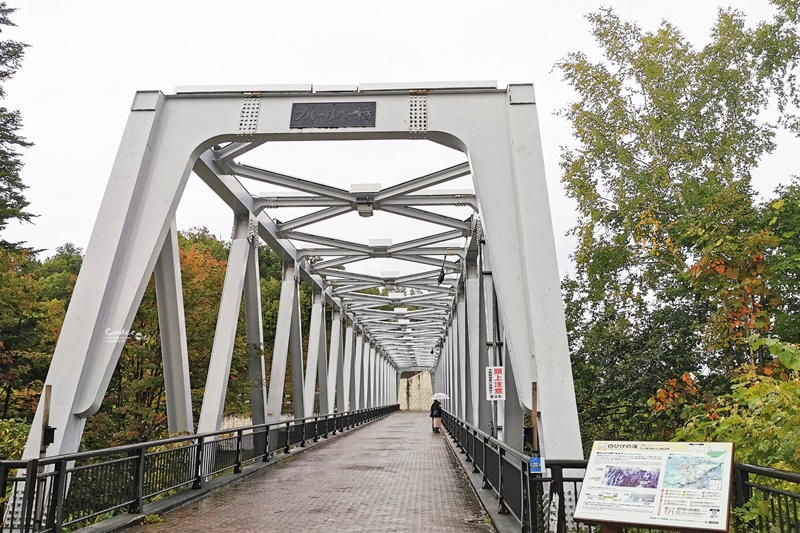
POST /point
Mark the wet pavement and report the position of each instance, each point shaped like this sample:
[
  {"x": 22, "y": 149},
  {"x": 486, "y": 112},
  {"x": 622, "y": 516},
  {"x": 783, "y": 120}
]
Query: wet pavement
[{"x": 394, "y": 474}]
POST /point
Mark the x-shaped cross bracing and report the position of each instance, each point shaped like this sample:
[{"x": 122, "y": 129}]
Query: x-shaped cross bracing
[{"x": 423, "y": 291}]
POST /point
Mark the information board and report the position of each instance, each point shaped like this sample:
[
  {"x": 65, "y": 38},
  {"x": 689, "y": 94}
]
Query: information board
[
  {"x": 495, "y": 383},
  {"x": 667, "y": 484}
]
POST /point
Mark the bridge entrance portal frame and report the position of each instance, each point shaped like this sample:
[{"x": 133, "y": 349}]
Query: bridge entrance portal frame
[{"x": 501, "y": 302}]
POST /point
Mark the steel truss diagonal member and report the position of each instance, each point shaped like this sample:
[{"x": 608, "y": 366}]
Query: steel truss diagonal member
[
  {"x": 287, "y": 335},
  {"x": 219, "y": 367},
  {"x": 172, "y": 325}
]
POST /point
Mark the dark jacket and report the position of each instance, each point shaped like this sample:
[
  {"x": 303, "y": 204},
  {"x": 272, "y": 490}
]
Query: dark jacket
[{"x": 436, "y": 409}]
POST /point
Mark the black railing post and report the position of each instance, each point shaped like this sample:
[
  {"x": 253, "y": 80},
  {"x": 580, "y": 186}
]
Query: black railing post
[
  {"x": 469, "y": 445},
  {"x": 484, "y": 481},
  {"x": 237, "y": 468},
  {"x": 198, "y": 465},
  {"x": 475, "y": 468},
  {"x": 558, "y": 487},
  {"x": 527, "y": 521},
  {"x": 741, "y": 489},
  {"x": 3, "y": 491},
  {"x": 265, "y": 459},
  {"x": 535, "y": 495},
  {"x": 55, "y": 513},
  {"x": 501, "y": 504},
  {"x": 29, "y": 494},
  {"x": 289, "y": 437},
  {"x": 138, "y": 480}
]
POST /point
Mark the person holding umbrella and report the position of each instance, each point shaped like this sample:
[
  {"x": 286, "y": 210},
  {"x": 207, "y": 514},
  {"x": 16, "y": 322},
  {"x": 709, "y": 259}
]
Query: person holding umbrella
[{"x": 436, "y": 412}]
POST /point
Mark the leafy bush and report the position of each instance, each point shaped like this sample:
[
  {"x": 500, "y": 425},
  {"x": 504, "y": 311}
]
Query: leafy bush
[
  {"x": 761, "y": 416},
  {"x": 13, "y": 434}
]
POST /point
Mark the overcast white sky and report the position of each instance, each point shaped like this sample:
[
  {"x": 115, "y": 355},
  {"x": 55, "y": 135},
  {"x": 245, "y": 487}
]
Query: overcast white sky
[{"x": 88, "y": 57}]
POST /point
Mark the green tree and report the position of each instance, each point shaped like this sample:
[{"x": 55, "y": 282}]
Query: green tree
[
  {"x": 12, "y": 199},
  {"x": 21, "y": 319},
  {"x": 676, "y": 263},
  {"x": 784, "y": 215},
  {"x": 57, "y": 274}
]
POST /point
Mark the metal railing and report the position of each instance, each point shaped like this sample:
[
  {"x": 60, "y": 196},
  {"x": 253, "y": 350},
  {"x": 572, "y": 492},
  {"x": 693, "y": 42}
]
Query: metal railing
[
  {"x": 764, "y": 500},
  {"x": 64, "y": 491}
]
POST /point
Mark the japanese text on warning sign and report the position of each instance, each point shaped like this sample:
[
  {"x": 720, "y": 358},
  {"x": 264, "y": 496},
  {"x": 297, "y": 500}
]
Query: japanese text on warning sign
[{"x": 495, "y": 383}]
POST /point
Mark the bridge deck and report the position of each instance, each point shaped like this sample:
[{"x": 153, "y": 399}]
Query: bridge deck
[{"x": 391, "y": 475}]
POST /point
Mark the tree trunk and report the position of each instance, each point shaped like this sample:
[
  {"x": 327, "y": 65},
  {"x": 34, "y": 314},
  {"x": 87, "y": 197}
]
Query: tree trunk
[{"x": 7, "y": 401}]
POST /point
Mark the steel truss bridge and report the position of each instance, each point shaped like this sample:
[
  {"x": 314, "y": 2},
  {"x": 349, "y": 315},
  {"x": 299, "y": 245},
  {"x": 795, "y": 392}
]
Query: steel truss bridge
[{"x": 477, "y": 287}]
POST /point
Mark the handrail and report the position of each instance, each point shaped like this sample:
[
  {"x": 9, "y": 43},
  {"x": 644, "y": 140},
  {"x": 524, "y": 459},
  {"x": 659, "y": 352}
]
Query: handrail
[
  {"x": 55, "y": 492},
  {"x": 172, "y": 440},
  {"x": 532, "y": 498},
  {"x": 769, "y": 472}
]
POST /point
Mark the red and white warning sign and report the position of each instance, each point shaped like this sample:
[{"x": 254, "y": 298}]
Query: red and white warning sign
[{"x": 495, "y": 383}]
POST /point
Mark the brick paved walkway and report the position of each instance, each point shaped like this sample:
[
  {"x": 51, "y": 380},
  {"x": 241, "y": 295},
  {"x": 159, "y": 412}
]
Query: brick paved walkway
[{"x": 392, "y": 475}]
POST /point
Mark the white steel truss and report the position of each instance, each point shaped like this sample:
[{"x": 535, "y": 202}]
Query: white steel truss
[{"x": 481, "y": 288}]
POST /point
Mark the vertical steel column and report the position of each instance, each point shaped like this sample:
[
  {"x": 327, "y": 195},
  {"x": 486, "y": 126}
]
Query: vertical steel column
[
  {"x": 376, "y": 373},
  {"x": 500, "y": 349},
  {"x": 386, "y": 388},
  {"x": 460, "y": 328},
  {"x": 486, "y": 332},
  {"x": 378, "y": 381},
  {"x": 296, "y": 345},
  {"x": 373, "y": 356},
  {"x": 453, "y": 347},
  {"x": 172, "y": 324},
  {"x": 365, "y": 373},
  {"x": 373, "y": 362},
  {"x": 288, "y": 314},
  {"x": 255, "y": 330},
  {"x": 513, "y": 418},
  {"x": 219, "y": 367},
  {"x": 358, "y": 371},
  {"x": 336, "y": 368},
  {"x": 451, "y": 357},
  {"x": 444, "y": 379},
  {"x": 451, "y": 392},
  {"x": 325, "y": 407},
  {"x": 313, "y": 355},
  {"x": 471, "y": 289},
  {"x": 348, "y": 384},
  {"x": 381, "y": 380}
]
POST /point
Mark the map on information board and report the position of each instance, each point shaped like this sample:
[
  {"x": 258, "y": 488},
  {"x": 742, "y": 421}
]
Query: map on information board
[{"x": 666, "y": 484}]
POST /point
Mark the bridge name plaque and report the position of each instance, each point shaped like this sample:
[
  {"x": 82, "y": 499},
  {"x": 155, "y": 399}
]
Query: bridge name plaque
[{"x": 333, "y": 115}]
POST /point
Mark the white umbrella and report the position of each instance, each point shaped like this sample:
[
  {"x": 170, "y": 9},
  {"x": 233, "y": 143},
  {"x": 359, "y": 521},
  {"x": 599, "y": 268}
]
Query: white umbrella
[{"x": 440, "y": 396}]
